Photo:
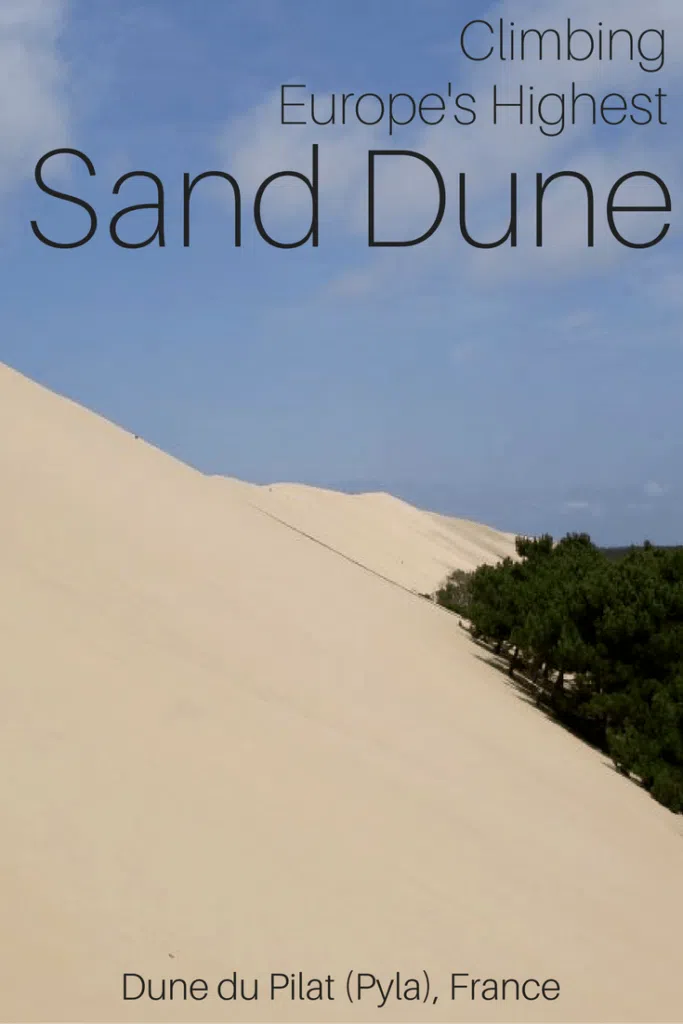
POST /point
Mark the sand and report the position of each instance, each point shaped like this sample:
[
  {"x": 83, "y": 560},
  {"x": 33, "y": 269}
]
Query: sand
[
  {"x": 226, "y": 747},
  {"x": 387, "y": 536}
]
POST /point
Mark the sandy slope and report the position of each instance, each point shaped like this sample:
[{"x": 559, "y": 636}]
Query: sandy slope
[
  {"x": 225, "y": 748},
  {"x": 379, "y": 531},
  {"x": 392, "y": 538}
]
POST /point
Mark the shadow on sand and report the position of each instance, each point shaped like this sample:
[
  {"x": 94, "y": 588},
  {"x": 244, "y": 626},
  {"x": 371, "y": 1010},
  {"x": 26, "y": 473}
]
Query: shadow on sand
[{"x": 534, "y": 694}]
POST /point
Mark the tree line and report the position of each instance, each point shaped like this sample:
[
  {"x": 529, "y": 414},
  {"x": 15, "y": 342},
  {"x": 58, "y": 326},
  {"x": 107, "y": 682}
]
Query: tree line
[{"x": 599, "y": 640}]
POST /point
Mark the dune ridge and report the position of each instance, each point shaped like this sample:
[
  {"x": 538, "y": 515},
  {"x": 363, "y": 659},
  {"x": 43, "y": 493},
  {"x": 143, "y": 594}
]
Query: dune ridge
[
  {"x": 226, "y": 748},
  {"x": 385, "y": 534}
]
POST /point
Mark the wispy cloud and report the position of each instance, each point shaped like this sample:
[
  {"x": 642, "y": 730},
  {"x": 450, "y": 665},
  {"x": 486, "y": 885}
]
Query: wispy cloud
[
  {"x": 33, "y": 85},
  {"x": 257, "y": 144},
  {"x": 591, "y": 507},
  {"x": 654, "y": 490}
]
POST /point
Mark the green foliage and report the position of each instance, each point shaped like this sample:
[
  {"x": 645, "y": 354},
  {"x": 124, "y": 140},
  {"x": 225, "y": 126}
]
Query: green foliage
[
  {"x": 455, "y": 593},
  {"x": 601, "y": 637}
]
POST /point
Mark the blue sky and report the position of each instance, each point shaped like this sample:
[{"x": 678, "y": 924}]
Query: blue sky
[{"x": 532, "y": 389}]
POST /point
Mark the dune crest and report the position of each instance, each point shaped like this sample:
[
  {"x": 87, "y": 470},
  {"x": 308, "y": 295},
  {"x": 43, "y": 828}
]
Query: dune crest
[
  {"x": 226, "y": 748},
  {"x": 386, "y": 535}
]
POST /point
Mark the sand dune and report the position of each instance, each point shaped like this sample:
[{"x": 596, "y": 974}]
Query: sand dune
[
  {"x": 413, "y": 548},
  {"x": 226, "y": 748}
]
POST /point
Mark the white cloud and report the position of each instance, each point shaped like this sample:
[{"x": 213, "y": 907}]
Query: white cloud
[
  {"x": 591, "y": 507},
  {"x": 257, "y": 145},
  {"x": 654, "y": 490},
  {"x": 33, "y": 102}
]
